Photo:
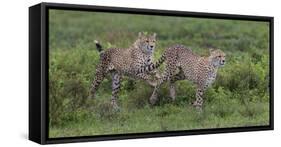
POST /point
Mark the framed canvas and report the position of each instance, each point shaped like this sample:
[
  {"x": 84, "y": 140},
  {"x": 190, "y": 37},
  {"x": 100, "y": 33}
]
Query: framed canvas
[{"x": 104, "y": 73}]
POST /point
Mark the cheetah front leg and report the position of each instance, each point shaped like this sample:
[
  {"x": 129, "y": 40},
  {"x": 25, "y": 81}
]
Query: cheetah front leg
[
  {"x": 199, "y": 98},
  {"x": 173, "y": 90},
  {"x": 116, "y": 78},
  {"x": 169, "y": 72},
  {"x": 154, "y": 97}
]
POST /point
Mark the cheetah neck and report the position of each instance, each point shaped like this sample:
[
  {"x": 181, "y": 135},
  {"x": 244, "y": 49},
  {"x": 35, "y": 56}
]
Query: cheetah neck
[
  {"x": 211, "y": 63},
  {"x": 137, "y": 53}
]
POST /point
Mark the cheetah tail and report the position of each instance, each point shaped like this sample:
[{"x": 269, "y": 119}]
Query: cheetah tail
[
  {"x": 152, "y": 66},
  {"x": 98, "y": 45}
]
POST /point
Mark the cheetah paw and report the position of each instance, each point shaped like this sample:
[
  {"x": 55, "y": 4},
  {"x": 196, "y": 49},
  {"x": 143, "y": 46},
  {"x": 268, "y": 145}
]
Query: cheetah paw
[
  {"x": 153, "y": 84},
  {"x": 153, "y": 99}
]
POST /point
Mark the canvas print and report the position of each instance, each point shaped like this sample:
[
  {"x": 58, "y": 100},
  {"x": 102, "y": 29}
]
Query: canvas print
[{"x": 119, "y": 73}]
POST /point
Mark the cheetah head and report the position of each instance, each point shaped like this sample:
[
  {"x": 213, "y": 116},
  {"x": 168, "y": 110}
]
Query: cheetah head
[
  {"x": 217, "y": 57},
  {"x": 147, "y": 42}
]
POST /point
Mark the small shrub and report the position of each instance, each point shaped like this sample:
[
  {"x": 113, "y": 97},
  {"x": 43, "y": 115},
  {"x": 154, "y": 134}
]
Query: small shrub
[
  {"x": 220, "y": 102},
  {"x": 76, "y": 92},
  {"x": 139, "y": 97},
  {"x": 251, "y": 109},
  {"x": 129, "y": 85},
  {"x": 185, "y": 93},
  {"x": 105, "y": 111}
]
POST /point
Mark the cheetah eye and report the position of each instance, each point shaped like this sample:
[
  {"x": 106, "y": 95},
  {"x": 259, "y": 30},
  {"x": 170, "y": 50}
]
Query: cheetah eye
[
  {"x": 146, "y": 41},
  {"x": 153, "y": 41},
  {"x": 219, "y": 56}
]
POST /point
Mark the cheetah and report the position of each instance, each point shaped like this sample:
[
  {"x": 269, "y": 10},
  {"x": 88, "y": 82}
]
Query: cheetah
[
  {"x": 120, "y": 62},
  {"x": 183, "y": 64}
]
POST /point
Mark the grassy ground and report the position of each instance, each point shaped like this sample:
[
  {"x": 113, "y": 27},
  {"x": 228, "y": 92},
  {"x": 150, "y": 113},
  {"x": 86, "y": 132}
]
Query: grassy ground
[{"x": 239, "y": 97}]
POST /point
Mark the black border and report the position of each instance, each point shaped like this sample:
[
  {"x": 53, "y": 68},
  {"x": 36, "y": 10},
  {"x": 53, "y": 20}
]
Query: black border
[{"x": 41, "y": 136}]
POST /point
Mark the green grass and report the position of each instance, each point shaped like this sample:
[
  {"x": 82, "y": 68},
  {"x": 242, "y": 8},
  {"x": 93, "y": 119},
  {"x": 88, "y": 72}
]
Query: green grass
[
  {"x": 167, "y": 117},
  {"x": 239, "y": 96}
]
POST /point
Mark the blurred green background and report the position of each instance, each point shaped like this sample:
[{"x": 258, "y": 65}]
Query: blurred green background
[{"x": 239, "y": 96}]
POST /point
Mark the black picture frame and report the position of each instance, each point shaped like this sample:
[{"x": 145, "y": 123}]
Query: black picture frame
[{"x": 38, "y": 72}]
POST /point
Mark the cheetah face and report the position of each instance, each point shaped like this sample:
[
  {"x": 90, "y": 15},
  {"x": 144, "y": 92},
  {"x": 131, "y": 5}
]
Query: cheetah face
[
  {"x": 217, "y": 57},
  {"x": 147, "y": 42}
]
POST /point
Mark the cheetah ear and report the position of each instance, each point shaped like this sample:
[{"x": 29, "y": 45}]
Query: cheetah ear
[
  {"x": 154, "y": 35},
  {"x": 140, "y": 34},
  {"x": 211, "y": 50}
]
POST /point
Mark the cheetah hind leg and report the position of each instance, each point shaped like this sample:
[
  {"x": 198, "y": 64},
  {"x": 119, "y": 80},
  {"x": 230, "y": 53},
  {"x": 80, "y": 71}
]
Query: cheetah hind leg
[
  {"x": 115, "y": 90},
  {"x": 199, "y": 100},
  {"x": 179, "y": 76},
  {"x": 100, "y": 75}
]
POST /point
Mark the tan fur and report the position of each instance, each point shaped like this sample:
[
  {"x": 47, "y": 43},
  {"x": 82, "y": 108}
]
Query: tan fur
[
  {"x": 182, "y": 63},
  {"x": 125, "y": 61}
]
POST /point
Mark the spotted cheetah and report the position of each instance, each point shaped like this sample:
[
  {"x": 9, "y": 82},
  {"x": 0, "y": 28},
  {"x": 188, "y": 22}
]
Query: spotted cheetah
[
  {"x": 182, "y": 63},
  {"x": 126, "y": 61}
]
